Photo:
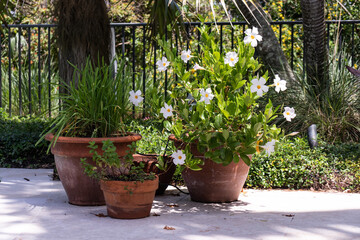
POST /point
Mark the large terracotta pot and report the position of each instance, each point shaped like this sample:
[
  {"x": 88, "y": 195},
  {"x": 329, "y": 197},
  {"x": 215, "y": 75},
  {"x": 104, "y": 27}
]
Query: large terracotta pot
[
  {"x": 81, "y": 189},
  {"x": 165, "y": 177},
  {"x": 215, "y": 182},
  {"x": 129, "y": 200}
]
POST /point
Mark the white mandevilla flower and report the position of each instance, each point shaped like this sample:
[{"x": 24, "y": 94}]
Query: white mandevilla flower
[
  {"x": 289, "y": 113},
  {"x": 269, "y": 147},
  {"x": 167, "y": 111},
  {"x": 163, "y": 64},
  {"x": 186, "y": 55},
  {"x": 206, "y": 96},
  {"x": 135, "y": 97},
  {"x": 179, "y": 157},
  {"x": 197, "y": 67},
  {"x": 259, "y": 86},
  {"x": 252, "y": 36},
  {"x": 280, "y": 85},
  {"x": 231, "y": 58}
]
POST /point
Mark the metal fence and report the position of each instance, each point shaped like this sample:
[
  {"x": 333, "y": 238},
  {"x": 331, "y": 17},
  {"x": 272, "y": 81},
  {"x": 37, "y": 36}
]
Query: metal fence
[{"x": 29, "y": 56}]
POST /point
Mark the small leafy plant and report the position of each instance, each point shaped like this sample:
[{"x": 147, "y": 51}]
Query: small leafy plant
[{"x": 109, "y": 166}]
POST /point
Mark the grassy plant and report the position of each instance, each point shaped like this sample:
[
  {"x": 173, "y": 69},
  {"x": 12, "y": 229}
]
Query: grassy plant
[
  {"x": 337, "y": 111},
  {"x": 98, "y": 106}
]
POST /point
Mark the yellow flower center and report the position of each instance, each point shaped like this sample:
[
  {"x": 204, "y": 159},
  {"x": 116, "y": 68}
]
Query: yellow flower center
[
  {"x": 168, "y": 110},
  {"x": 278, "y": 84},
  {"x": 232, "y": 59},
  {"x": 164, "y": 64},
  {"x": 287, "y": 113},
  {"x": 136, "y": 97},
  {"x": 206, "y": 95},
  {"x": 252, "y": 37},
  {"x": 180, "y": 157},
  {"x": 187, "y": 56},
  {"x": 258, "y": 87}
]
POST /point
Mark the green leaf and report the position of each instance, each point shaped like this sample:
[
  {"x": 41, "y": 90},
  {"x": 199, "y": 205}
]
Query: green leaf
[
  {"x": 217, "y": 56},
  {"x": 228, "y": 156},
  {"x": 225, "y": 134},
  {"x": 218, "y": 121},
  {"x": 240, "y": 84},
  {"x": 246, "y": 159},
  {"x": 231, "y": 108},
  {"x": 226, "y": 113}
]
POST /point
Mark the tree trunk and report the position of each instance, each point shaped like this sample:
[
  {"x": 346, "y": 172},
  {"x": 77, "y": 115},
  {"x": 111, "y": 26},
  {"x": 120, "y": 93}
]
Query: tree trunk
[
  {"x": 83, "y": 32},
  {"x": 269, "y": 48},
  {"x": 315, "y": 48}
]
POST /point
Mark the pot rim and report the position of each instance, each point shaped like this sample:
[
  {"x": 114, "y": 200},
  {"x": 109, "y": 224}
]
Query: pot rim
[
  {"x": 129, "y": 138},
  {"x": 145, "y": 180}
]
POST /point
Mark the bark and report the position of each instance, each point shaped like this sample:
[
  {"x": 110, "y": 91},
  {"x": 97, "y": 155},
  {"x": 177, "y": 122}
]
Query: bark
[
  {"x": 83, "y": 32},
  {"x": 269, "y": 48},
  {"x": 315, "y": 47}
]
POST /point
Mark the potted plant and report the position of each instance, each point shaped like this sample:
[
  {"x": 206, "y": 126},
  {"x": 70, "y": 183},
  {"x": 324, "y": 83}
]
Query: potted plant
[
  {"x": 96, "y": 108},
  {"x": 128, "y": 190},
  {"x": 217, "y": 122},
  {"x": 152, "y": 150}
]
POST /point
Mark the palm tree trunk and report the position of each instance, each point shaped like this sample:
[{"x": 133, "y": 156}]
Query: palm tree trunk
[
  {"x": 269, "y": 49},
  {"x": 83, "y": 32},
  {"x": 315, "y": 48}
]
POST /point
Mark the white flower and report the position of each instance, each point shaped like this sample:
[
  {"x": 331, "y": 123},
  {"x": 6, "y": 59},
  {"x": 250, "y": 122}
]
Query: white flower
[
  {"x": 135, "y": 97},
  {"x": 198, "y": 67},
  {"x": 280, "y": 85},
  {"x": 167, "y": 111},
  {"x": 186, "y": 55},
  {"x": 162, "y": 64},
  {"x": 269, "y": 147},
  {"x": 231, "y": 58},
  {"x": 206, "y": 95},
  {"x": 289, "y": 113},
  {"x": 259, "y": 86},
  {"x": 179, "y": 157},
  {"x": 252, "y": 36}
]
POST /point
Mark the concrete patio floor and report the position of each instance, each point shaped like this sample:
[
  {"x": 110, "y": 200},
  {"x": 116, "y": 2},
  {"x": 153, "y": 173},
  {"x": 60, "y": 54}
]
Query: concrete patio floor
[{"x": 32, "y": 206}]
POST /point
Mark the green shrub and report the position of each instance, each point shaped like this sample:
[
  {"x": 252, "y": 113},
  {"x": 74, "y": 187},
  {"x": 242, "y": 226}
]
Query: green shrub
[
  {"x": 294, "y": 165},
  {"x": 18, "y": 136}
]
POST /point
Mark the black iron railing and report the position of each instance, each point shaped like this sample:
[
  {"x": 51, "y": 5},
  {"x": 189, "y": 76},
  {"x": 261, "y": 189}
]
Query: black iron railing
[{"x": 28, "y": 67}]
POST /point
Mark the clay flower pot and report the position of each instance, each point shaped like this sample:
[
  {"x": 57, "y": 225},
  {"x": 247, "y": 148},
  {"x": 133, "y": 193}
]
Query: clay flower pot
[
  {"x": 128, "y": 199},
  {"x": 215, "y": 182},
  {"x": 150, "y": 161},
  {"x": 80, "y": 188}
]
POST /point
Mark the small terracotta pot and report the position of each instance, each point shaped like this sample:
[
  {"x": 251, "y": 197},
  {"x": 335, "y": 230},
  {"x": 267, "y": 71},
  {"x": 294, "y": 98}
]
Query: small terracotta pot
[
  {"x": 81, "y": 189},
  {"x": 150, "y": 161},
  {"x": 129, "y": 200},
  {"x": 215, "y": 182}
]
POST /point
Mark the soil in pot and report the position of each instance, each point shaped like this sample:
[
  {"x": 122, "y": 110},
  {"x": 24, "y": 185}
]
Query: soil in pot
[
  {"x": 81, "y": 189},
  {"x": 150, "y": 161},
  {"x": 127, "y": 199}
]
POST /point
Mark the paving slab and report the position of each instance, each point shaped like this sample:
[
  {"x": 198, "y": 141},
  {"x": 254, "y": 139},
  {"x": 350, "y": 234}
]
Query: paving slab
[{"x": 33, "y": 207}]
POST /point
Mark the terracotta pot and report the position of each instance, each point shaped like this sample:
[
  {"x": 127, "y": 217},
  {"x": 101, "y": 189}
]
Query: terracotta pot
[
  {"x": 215, "y": 182},
  {"x": 150, "y": 161},
  {"x": 81, "y": 189},
  {"x": 129, "y": 200}
]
